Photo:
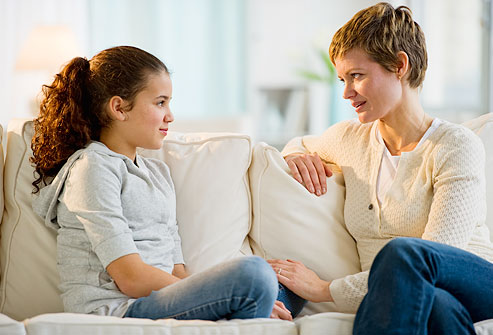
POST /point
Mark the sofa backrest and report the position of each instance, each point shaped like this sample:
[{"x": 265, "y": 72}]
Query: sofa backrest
[{"x": 213, "y": 213}]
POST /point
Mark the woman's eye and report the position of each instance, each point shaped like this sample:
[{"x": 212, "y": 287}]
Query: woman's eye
[
  {"x": 356, "y": 75},
  {"x": 160, "y": 103}
]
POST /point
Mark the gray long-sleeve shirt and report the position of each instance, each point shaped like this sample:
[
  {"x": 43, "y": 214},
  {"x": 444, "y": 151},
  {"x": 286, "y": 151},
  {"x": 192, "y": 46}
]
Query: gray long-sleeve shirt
[{"x": 105, "y": 206}]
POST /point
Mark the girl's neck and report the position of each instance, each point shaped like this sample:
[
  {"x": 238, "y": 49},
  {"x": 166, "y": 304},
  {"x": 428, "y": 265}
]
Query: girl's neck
[{"x": 115, "y": 143}]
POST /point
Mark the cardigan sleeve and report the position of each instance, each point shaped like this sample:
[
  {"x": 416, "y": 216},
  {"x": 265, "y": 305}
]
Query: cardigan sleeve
[
  {"x": 458, "y": 204},
  {"x": 349, "y": 291}
]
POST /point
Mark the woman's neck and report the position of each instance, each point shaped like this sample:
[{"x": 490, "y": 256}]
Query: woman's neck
[{"x": 403, "y": 128}]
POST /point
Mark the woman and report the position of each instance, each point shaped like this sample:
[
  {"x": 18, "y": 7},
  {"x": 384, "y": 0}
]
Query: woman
[
  {"x": 118, "y": 247},
  {"x": 406, "y": 173}
]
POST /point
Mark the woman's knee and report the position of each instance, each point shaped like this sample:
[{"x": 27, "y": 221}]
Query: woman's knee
[{"x": 398, "y": 254}]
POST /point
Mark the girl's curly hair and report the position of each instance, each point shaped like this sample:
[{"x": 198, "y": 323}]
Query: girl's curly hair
[{"x": 72, "y": 112}]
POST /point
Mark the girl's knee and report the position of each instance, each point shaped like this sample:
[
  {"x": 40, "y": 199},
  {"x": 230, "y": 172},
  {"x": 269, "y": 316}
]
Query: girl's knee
[{"x": 259, "y": 273}]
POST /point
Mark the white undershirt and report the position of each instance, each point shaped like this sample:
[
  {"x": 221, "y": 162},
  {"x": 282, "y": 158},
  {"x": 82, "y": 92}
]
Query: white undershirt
[{"x": 389, "y": 164}]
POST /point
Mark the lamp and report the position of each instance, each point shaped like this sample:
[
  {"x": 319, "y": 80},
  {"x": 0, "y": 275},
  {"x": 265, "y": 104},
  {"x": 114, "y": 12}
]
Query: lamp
[{"x": 47, "y": 48}]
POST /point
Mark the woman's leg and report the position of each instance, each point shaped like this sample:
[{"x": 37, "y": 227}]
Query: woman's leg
[
  {"x": 402, "y": 283},
  {"x": 448, "y": 315},
  {"x": 291, "y": 300},
  {"x": 239, "y": 289}
]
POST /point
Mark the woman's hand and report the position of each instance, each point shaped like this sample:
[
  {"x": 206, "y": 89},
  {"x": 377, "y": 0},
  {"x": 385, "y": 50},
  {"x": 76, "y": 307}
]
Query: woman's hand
[
  {"x": 301, "y": 280},
  {"x": 280, "y": 312},
  {"x": 309, "y": 170}
]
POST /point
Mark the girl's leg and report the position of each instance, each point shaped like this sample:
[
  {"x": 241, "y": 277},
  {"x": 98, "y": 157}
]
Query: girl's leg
[
  {"x": 402, "y": 283},
  {"x": 239, "y": 289}
]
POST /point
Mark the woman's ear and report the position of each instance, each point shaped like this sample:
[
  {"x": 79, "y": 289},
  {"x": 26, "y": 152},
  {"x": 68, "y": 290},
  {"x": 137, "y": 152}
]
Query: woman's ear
[
  {"x": 116, "y": 110},
  {"x": 403, "y": 67}
]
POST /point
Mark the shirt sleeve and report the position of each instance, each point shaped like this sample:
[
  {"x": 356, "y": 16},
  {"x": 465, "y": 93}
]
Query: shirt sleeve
[
  {"x": 177, "y": 251},
  {"x": 349, "y": 291},
  {"x": 459, "y": 203},
  {"x": 92, "y": 194}
]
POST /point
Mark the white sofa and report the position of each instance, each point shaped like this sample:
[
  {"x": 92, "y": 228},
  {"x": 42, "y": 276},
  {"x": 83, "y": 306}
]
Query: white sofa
[{"x": 233, "y": 198}]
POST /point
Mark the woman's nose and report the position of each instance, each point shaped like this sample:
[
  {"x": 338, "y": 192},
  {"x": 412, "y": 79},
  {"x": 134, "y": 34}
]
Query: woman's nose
[{"x": 348, "y": 92}]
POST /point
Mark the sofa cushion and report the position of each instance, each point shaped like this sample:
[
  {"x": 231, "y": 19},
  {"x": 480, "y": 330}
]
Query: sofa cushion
[
  {"x": 289, "y": 222},
  {"x": 29, "y": 280},
  {"x": 213, "y": 213},
  {"x": 11, "y": 327},
  {"x": 76, "y": 324},
  {"x": 209, "y": 171},
  {"x": 483, "y": 127}
]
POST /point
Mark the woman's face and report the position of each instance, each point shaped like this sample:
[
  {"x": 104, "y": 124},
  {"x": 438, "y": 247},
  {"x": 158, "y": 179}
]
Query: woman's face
[
  {"x": 150, "y": 115},
  {"x": 373, "y": 91}
]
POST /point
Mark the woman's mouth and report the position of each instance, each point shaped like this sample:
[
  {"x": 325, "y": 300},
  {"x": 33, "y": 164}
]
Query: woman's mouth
[
  {"x": 358, "y": 105},
  {"x": 163, "y": 131}
]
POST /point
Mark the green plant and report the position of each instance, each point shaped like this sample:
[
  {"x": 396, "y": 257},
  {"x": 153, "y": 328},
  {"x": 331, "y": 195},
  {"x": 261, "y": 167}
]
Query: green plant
[{"x": 329, "y": 76}]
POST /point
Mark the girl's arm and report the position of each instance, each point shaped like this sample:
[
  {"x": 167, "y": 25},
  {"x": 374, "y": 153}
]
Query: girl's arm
[
  {"x": 138, "y": 279},
  {"x": 180, "y": 271}
]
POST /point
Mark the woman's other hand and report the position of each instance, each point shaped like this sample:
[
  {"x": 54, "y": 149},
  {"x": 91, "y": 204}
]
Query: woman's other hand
[
  {"x": 280, "y": 312},
  {"x": 301, "y": 280},
  {"x": 309, "y": 170}
]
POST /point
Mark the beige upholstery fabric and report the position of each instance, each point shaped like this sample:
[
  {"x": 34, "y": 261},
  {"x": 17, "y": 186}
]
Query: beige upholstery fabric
[
  {"x": 213, "y": 198},
  {"x": 289, "y": 222},
  {"x": 66, "y": 323},
  {"x": 29, "y": 280}
]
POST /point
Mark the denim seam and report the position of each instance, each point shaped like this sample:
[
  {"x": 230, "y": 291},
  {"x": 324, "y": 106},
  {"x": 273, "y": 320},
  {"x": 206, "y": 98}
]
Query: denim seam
[{"x": 213, "y": 303}]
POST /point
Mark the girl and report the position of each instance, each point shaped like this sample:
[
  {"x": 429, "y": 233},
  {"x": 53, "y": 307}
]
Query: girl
[{"x": 118, "y": 245}]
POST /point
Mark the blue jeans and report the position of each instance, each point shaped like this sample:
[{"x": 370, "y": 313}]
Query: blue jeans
[
  {"x": 243, "y": 288},
  {"x": 422, "y": 287}
]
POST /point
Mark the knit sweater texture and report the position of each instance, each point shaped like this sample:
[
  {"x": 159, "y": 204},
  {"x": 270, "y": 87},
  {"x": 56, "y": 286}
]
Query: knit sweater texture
[{"x": 438, "y": 194}]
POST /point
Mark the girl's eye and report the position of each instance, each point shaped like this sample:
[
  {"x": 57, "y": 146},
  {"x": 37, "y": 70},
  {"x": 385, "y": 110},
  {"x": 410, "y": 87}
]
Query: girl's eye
[
  {"x": 161, "y": 103},
  {"x": 356, "y": 75}
]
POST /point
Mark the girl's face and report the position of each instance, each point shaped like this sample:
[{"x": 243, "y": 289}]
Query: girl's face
[
  {"x": 373, "y": 91},
  {"x": 150, "y": 115}
]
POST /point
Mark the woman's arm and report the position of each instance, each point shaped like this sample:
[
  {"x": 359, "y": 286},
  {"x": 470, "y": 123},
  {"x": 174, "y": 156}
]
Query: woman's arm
[
  {"x": 136, "y": 278},
  {"x": 307, "y": 168},
  {"x": 458, "y": 204},
  {"x": 347, "y": 292}
]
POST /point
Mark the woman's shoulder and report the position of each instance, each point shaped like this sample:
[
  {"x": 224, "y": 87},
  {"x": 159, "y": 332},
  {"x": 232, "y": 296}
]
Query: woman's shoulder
[{"x": 454, "y": 135}]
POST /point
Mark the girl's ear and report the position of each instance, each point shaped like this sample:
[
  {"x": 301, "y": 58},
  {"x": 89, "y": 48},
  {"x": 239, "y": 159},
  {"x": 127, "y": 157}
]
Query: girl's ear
[
  {"x": 403, "y": 67},
  {"x": 116, "y": 110}
]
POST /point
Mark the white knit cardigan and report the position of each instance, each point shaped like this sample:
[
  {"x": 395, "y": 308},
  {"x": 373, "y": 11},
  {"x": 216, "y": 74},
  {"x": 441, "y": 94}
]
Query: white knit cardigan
[{"x": 438, "y": 194}]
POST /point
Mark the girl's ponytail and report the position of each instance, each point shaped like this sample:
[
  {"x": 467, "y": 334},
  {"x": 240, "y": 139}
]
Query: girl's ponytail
[{"x": 64, "y": 122}]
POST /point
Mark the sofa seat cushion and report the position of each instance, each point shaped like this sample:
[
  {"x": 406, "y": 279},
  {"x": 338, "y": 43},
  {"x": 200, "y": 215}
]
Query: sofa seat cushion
[
  {"x": 81, "y": 324},
  {"x": 326, "y": 323},
  {"x": 484, "y": 327},
  {"x": 11, "y": 327},
  {"x": 291, "y": 223}
]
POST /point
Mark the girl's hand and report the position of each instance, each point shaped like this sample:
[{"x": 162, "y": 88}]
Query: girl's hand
[
  {"x": 309, "y": 170},
  {"x": 301, "y": 280},
  {"x": 280, "y": 312}
]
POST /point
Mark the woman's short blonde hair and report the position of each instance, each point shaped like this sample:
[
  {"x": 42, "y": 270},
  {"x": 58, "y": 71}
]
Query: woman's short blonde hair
[{"x": 382, "y": 31}]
